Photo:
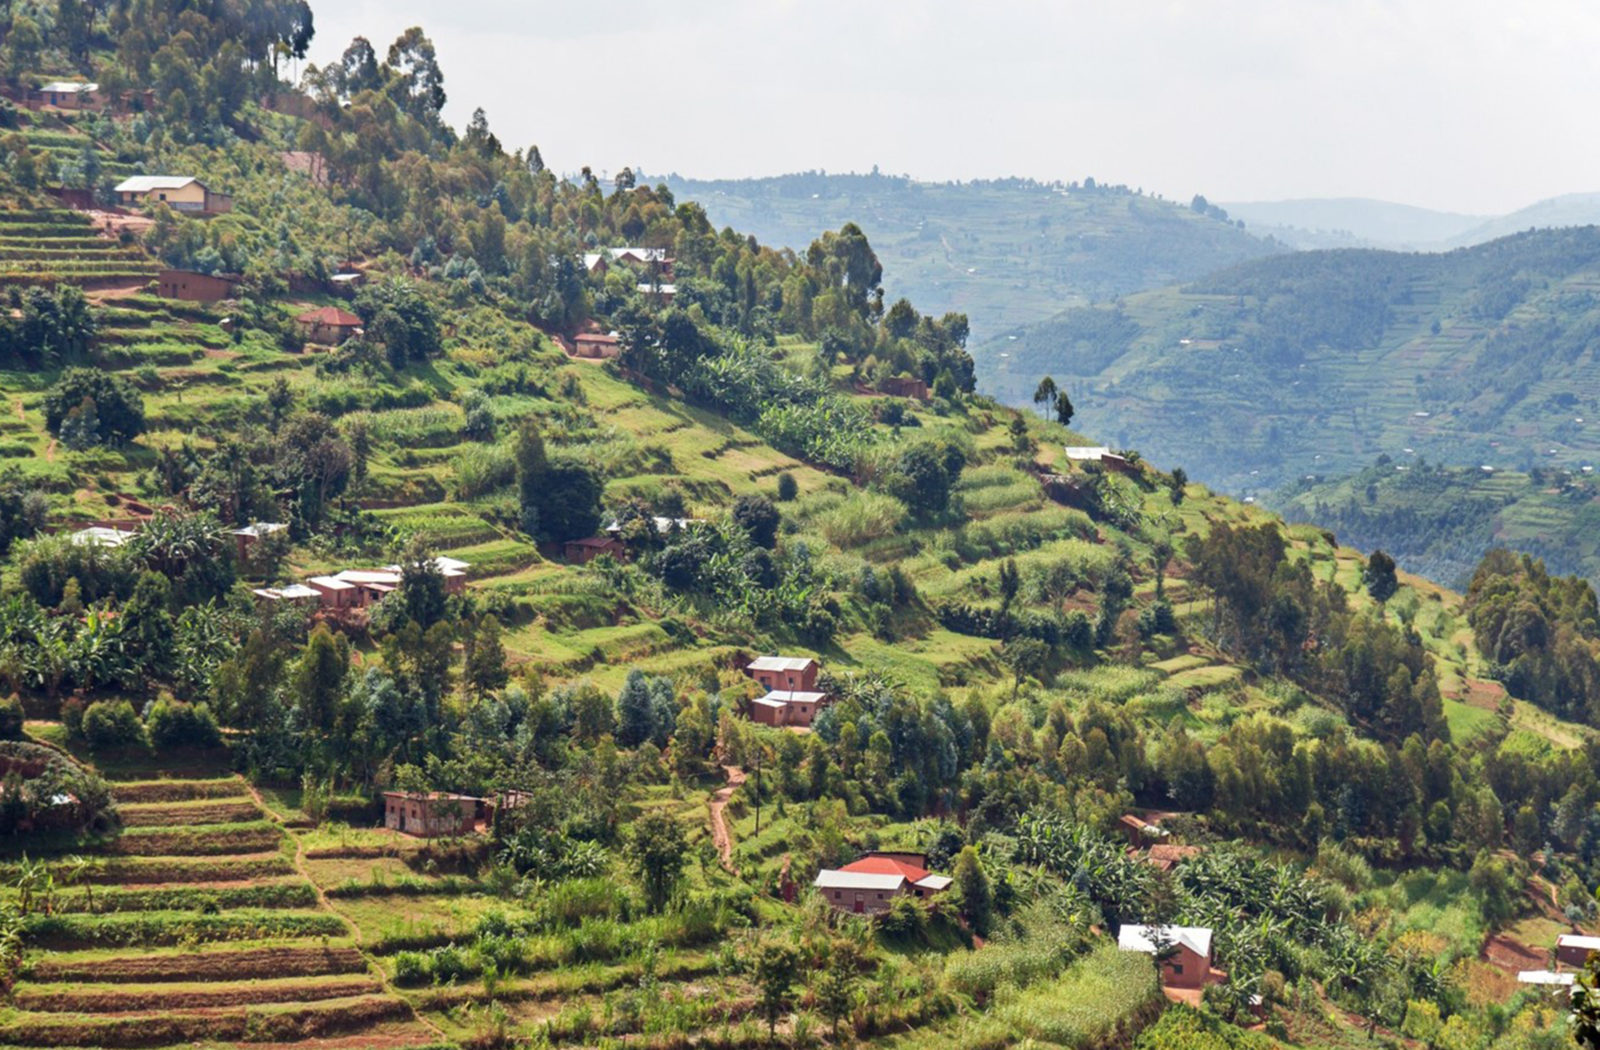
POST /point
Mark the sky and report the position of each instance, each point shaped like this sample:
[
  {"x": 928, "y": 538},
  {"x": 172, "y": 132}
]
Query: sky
[{"x": 1476, "y": 106}]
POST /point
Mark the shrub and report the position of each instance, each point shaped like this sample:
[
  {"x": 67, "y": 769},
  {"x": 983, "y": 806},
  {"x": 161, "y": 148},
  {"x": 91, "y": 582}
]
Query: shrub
[
  {"x": 449, "y": 965},
  {"x": 172, "y": 723},
  {"x": 72, "y": 709},
  {"x": 11, "y": 719},
  {"x": 412, "y": 968},
  {"x": 788, "y": 488},
  {"x": 111, "y": 723}
]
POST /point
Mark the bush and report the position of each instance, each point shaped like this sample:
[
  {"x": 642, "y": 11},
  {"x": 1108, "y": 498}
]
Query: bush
[
  {"x": 111, "y": 723},
  {"x": 172, "y": 723},
  {"x": 450, "y": 965},
  {"x": 11, "y": 719},
  {"x": 72, "y": 709},
  {"x": 412, "y": 968},
  {"x": 1157, "y": 618},
  {"x": 788, "y": 488}
]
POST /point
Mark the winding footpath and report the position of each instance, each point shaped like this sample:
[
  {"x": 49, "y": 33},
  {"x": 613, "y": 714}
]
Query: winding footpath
[{"x": 719, "y": 826}]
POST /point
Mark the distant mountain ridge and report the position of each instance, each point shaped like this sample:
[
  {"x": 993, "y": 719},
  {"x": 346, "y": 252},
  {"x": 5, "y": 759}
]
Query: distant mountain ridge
[
  {"x": 1359, "y": 222},
  {"x": 1005, "y": 252}
]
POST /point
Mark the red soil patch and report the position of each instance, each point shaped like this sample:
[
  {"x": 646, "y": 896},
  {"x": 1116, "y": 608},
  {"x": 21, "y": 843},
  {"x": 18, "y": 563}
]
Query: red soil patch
[
  {"x": 1485, "y": 695},
  {"x": 1511, "y": 955}
]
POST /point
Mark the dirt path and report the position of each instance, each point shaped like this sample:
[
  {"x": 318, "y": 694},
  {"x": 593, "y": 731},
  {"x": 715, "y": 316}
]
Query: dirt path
[
  {"x": 323, "y": 904},
  {"x": 719, "y": 826}
]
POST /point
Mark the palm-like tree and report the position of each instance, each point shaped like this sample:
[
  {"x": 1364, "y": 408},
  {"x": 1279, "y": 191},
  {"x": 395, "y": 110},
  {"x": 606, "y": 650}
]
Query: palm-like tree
[
  {"x": 33, "y": 882},
  {"x": 78, "y": 870}
]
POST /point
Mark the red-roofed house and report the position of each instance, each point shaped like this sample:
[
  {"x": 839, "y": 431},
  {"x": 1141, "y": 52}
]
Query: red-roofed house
[
  {"x": 872, "y": 883},
  {"x": 329, "y": 325}
]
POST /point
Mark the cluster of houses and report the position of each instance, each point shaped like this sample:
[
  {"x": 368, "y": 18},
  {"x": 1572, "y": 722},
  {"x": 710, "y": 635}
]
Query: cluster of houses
[
  {"x": 653, "y": 265},
  {"x": 350, "y": 591},
  {"x": 341, "y": 594},
  {"x": 612, "y": 542},
  {"x": 1572, "y": 955}
]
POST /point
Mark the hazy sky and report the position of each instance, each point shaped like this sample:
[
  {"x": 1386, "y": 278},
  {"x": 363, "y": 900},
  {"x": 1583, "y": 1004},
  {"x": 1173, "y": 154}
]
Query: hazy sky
[{"x": 1467, "y": 105}]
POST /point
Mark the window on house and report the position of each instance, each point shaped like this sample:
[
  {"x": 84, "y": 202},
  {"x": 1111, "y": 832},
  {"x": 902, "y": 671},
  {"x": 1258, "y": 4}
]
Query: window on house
[{"x": 1177, "y": 968}]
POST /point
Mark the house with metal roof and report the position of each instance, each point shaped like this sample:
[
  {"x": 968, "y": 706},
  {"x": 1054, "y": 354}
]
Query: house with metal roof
[
  {"x": 788, "y": 707},
  {"x": 784, "y": 672},
  {"x": 101, "y": 536},
  {"x": 1189, "y": 964},
  {"x": 179, "y": 192},
  {"x": 1574, "y": 949},
  {"x": 870, "y": 884}
]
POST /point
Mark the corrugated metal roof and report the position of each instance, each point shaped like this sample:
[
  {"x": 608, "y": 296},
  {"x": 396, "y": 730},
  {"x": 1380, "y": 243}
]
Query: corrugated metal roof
[
  {"x": 829, "y": 879},
  {"x": 779, "y": 663},
  {"x": 146, "y": 183},
  {"x": 1142, "y": 938}
]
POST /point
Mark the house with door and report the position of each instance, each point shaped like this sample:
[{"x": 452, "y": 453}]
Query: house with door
[
  {"x": 428, "y": 814},
  {"x": 183, "y": 193},
  {"x": 1182, "y": 953},
  {"x": 788, "y": 707},
  {"x": 194, "y": 287},
  {"x": 66, "y": 94},
  {"x": 328, "y": 326},
  {"x": 1573, "y": 950},
  {"x": 870, "y": 885}
]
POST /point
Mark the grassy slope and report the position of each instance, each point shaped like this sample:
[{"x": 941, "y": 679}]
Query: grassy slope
[{"x": 1005, "y": 254}]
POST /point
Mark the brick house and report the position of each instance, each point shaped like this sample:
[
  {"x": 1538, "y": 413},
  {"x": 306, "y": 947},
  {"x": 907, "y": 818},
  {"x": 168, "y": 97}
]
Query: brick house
[
  {"x": 787, "y": 707},
  {"x": 430, "y": 813},
  {"x": 329, "y": 325},
  {"x": 870, "y": 885},
  {"x": 905, "y": 386},
  {"x": 1190, "y": 963},
  {"x": 196, "y": 287},
  {"x": 1573, "y": 950},
  {"x": 584, "y": 551},
  {"x": 245, "y": 539},
  {"x": 790, "y": 673}
]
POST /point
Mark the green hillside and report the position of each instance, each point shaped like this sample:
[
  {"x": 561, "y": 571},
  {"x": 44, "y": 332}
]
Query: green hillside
[
  {"x": 1437, "y": 521},
  {"x": 488, "y": 788},
  {"x": 1318, "y": 362},
  {"x": 1006, "y": 252}
]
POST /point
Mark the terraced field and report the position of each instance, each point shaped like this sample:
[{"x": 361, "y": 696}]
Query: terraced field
[
  {"x": 46, "y": 247},
  {"x": 197, "y": 924}
]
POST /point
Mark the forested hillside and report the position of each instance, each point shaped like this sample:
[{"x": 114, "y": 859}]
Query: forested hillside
[
  {"x": 377, "y": 639},
  {"x": 1006, "y": 252},
  {"x": 1318, "y": 362}
]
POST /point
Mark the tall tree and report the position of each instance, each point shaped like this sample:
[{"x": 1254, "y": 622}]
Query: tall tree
[
  {"x": 659, "y": 853},
  {"x": 1044, "y": 395}
]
